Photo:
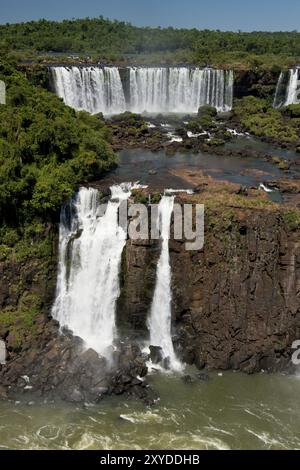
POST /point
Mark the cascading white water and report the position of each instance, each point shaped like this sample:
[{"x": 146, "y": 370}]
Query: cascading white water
[
  {"x": 90, "y": 250},
  {"x": 91, "y": 89},
  {"x": 150, "y": 89},
  {"x": 288, "y": 89},
  {"x": 160, "y": 319},
  {"x": 179, "y": 89}
]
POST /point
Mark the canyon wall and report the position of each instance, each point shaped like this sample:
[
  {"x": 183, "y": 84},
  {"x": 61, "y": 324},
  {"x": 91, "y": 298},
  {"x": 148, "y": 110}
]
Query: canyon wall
[{"x": 236, "y": 303}]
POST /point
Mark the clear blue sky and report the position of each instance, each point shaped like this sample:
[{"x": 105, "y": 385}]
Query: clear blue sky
[{"x": 247, "y": 15}]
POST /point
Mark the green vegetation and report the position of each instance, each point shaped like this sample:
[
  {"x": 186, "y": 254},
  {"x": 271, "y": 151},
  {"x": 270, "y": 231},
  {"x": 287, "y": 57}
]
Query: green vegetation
[
  {"x": 20, "y": 320},
  {"x": 293, "y": 110},
  {"x": 280, "y": 162},
  {"x": 207, "y": 111},
  {"x": 139, "y": 197},
  {"x": 114, "y": 40},
  {"x": 131, "y": 130},
  {"x": 46, "y": 149},
  {"x": 259, "y": 118},
  {"x": 292, "y": 219},
  {"x": 128, "y": 125},
  {"x": 205, "y": 120}
]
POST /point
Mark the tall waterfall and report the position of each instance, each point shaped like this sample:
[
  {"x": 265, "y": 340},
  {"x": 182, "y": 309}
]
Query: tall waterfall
[
  {"x": 160, "y": 318},
  {"x": 288, "y": 88},
  {"x": 150, "y": 89},
  {"x": 91, "y": 89},
  {"x": 179, "y": 89},
  {"x": 90, "y": 250}
]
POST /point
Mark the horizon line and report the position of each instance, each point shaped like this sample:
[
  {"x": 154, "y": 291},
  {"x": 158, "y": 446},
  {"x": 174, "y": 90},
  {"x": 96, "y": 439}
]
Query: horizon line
[{"x": 159, "y": 27}]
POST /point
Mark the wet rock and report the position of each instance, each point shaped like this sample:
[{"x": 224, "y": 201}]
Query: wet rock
[
  {"x": 74, "y": 396},
  {"x": 60, "y": 367},
  {"x": 166, "y": 363},
  {"x": 156, "y": 354},
  {"x": 199, "y": 358},
  {"x": 243, "y": 191},
  {"x": 203, "y": 377},
  {"x": 3, "y": 393},
  {"x": 187, "y": 379}
]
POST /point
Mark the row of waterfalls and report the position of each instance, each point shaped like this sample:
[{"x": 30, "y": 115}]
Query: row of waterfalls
[
  {"x": 111, "y": 90},
  {"x": 91, "y": 239}
]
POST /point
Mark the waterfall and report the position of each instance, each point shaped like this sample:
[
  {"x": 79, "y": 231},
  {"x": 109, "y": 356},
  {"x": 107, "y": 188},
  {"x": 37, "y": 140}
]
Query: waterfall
[
  {"x": 179, "y": 89},
  {"x": 288, "y": 89},
  {"x": 150, "y": 89},
  {"x": 90, "y": 249},
  {"x": 91, "y": 89},
  {"x": 160, "y": 318}
]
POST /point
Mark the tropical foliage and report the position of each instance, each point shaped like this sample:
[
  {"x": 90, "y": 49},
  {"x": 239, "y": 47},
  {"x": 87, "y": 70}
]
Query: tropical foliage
[
  {"x": 115, "y": 40},
  {"x": 262, "y": 120},
  {"x": 46, "y": 149}
]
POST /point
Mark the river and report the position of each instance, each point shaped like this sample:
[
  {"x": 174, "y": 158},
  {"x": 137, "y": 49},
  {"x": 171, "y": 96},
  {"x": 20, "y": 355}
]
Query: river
[{"x": 230, "y": 411}]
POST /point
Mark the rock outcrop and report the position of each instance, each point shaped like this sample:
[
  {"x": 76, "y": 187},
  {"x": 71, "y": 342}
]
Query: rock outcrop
[
  {"x": 40, "y": 360},
  {"x": 236, "y": 303},
  {"x": 59, "y": 366},
  {"x": 260, "y": 83}
]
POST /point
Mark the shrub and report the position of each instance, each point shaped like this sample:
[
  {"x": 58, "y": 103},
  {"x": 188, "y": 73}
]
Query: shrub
[
  {"x": 207, "y": 111},
  {"x": 293, "y": 110}
]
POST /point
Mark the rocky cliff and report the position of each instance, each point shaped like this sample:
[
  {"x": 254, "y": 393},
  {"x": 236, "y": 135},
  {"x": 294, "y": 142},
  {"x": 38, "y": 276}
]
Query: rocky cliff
[
  {"x": 236, "y": 303},
  {"x": 259, "y": 83}
]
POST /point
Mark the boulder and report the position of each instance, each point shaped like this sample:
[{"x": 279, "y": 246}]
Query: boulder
[{"x": 156, "y": 354}]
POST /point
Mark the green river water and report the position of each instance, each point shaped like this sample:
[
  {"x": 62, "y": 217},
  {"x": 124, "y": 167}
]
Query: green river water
[{"x": 231, "y": 411}]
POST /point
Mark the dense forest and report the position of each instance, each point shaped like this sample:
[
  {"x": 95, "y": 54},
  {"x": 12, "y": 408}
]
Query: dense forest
[
  {"x": 46, "y": 149},
  {"x": 102, "y": 39}
]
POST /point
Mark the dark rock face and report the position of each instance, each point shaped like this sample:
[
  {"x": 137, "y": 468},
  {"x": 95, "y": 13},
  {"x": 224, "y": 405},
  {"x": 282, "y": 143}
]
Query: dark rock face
[
  {"x": 138, "y": 277},
  {"x": 236, "y": 303},
  {"x": 260, "y": 83},
  {"x": 156, "y": 354},
  {"x": 58, "y": 366}
]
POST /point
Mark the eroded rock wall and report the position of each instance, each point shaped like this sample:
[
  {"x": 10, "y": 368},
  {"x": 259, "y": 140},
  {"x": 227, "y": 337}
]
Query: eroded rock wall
[
  {"x": 236, "y": 303},
  {"x": 259, "y": 83}
]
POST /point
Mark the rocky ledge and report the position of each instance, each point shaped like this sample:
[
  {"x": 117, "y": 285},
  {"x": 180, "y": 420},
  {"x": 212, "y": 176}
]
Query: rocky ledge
[
  {"x": 236, "y": 302},
  {"x": 58, "y": 366}
]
